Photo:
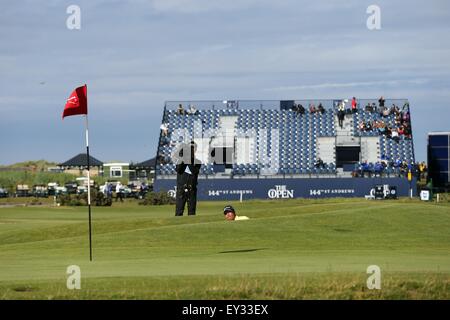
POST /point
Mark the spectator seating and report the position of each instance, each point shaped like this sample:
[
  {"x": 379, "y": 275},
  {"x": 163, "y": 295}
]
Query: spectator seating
[{"x": 297, "y": 138}]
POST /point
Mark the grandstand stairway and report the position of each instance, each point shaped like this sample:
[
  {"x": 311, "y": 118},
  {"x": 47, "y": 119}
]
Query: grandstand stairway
[
  {"x": 326, "y": 149},
  {"x": 370, "y": 149},
  {"x": 227, "y": 122},
  {"x": 225, "y": 139},
  {"x": 345, "y": 136}
]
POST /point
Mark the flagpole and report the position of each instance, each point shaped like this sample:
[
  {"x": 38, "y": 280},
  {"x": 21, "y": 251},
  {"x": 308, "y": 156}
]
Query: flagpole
[{"x": 89, "y": 187}]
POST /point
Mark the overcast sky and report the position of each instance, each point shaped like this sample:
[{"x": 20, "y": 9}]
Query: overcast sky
[{"x": 136, "y": 54}]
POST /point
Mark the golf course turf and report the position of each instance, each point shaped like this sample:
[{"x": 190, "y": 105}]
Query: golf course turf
[{"x": 289, "y": 249}]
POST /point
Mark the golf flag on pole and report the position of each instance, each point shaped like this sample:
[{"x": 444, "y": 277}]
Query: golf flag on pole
[{"x": 77, "y": 103}]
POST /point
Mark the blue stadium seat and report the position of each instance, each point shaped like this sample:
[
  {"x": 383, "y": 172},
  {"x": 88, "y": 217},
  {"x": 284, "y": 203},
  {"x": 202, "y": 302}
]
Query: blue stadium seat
[{"x": 298, "y": 135}]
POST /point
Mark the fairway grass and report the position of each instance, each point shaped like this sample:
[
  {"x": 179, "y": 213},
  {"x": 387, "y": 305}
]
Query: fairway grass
[{"x": 294, "y": 249}]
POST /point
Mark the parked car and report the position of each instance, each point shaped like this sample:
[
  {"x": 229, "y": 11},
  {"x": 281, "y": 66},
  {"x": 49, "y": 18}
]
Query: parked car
[
  {"x": 71, "y": 187},
  {"x": 4, "y": 193},
  {"x": 51, "y": 188},
  {"x": 126, "y": 192},
  {"x": 40, "y": 191},
  {"x": 22, "y": 190},
  {"x": 81, "y": 189},
  {"x": 60, "y": 191}
]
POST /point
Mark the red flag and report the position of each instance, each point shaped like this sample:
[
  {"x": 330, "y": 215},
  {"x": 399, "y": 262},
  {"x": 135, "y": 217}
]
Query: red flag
[{"x": 77, "y": 102}]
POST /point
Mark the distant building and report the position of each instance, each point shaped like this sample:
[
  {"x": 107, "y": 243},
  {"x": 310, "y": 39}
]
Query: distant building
[
  {"x": 78, "y": 165},
  {"x": 116, "y": 170},
  {"x": 439, "y": 158},
  {"x": 142, "y": 170},
  {"x": 111, "y": 170}
]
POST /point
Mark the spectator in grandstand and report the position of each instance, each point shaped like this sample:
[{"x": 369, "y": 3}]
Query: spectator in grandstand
[
  {"x": 395, "y": 110},
  {"x": 394, "y": 135},
  {"x": 164, "y": 129},
  {"x": 388, "y": 131},
  {"x": 405, "y": 116},
  {"x": 192, "y": 110},
  {"x": 312, "y": 108},
  {"x": 398, "y": 119},
  {"x": 319, "y": 163},
  {"x": 368, "y": 107},
  {"x": 354, "y": 105},
  {"x": 364, "y": 167},
  {"x": 407, "y": 131},
  {"x": 341, "y": 113},
  {"x": 381, "y": 127},
  {"x": 180, "y": 109},
  {"x": 392, "y": 109},
  {"x": 320, "y": 108},
  {"x": 376, "y": 124},
  {"x": 298, "y": 109},
  {"x": 386, "y": 112},
  {"x": 405, "y": 107},
  {"x": 301, "y": 109},
  {"x": 378, "y": 167},
  {"x": 381, "y": 102},
  {"x": 374, "y": 107},
  {"x": 362, "y": 126}
]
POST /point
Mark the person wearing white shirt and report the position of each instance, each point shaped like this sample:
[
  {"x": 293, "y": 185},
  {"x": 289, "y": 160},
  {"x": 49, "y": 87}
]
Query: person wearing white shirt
[
  {"x": 192, "y": 110},
  {"x": 119, "y": 194},
  {"x": 165, "y": 129}
]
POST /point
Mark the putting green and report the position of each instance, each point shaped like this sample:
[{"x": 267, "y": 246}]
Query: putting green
[{"x": 308, "y": 243}]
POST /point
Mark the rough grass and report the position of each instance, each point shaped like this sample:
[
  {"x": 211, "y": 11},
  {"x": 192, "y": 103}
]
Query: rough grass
[
  {"x": 268, "y": 286},
  {"x": 296, "y": 249}
]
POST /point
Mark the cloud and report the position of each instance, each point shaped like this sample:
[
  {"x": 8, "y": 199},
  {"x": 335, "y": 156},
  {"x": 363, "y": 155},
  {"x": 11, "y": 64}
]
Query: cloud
[
  {"x": 134, "y": 54},
  {"x": 201, "y": 6},
  {"x": 349, "y": 85}
]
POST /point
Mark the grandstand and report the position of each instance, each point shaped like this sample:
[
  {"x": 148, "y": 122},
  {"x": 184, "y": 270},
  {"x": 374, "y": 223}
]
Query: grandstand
[{"x": 268, "y": 149}]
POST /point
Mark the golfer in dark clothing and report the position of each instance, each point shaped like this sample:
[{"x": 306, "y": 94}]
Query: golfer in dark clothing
[{"x": 187, "y": 175}]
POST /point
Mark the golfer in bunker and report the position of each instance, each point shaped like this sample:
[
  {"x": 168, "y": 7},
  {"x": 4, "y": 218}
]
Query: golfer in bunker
[{"x": 230, "y": 214}]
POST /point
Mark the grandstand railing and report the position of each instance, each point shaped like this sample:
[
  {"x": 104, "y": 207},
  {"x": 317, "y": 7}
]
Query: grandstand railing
[{"x": 274, "y": 104}]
